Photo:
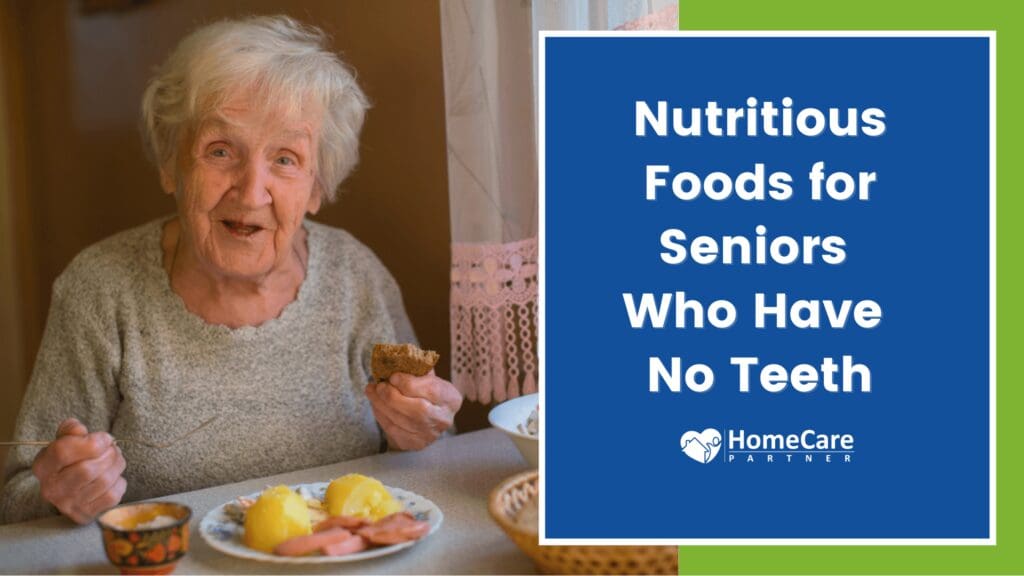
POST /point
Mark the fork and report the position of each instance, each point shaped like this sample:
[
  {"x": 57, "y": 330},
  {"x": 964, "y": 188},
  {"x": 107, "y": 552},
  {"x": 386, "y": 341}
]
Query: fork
[{"x": 119, "y": 440}]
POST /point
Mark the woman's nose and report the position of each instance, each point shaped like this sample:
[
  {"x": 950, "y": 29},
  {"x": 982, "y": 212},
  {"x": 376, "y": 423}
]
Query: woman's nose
[{"x": 253, "y": 186}]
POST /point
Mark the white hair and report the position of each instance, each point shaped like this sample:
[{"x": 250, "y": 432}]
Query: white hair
[{"x": 282, "y": 62}]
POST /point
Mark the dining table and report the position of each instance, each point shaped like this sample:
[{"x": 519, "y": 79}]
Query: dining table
[{"x": 457, "y": 473}]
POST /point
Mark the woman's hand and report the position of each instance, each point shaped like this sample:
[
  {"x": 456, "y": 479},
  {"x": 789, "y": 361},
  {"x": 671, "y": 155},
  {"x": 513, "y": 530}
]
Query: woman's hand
[
  {"x": 414, "y": 411},
  {"x": 80, "y": 473}
]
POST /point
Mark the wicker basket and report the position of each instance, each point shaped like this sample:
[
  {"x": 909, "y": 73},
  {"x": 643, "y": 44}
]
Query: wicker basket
[{"x": 509, "y": 498}]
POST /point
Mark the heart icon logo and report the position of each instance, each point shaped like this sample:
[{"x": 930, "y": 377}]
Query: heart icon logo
[{"x": 701, "y": 446}]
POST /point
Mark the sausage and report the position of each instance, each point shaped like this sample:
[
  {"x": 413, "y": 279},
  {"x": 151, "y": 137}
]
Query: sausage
[
  {"x": 302, "y": 545},
  {"x": 398, "y": 532},
  {"x": 346, "y": 522},
  {"x": 394, "y": 529},
  {"x": 350, "y": 545}
]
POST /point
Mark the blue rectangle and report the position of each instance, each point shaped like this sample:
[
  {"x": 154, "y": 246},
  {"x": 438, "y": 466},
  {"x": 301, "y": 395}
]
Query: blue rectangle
[{"x": 919, "y": 246}]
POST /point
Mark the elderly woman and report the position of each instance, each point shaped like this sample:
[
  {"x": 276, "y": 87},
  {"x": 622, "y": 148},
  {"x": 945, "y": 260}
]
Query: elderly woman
[{"x": 237, "y": 307}]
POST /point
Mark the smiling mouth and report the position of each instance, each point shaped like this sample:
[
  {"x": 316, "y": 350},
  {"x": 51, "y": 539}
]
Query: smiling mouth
[{"x": 240, "y": 229}]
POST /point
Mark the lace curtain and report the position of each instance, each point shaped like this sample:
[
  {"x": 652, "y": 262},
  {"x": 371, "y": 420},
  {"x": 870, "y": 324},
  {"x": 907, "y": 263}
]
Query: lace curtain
[
  {"x": 606, "y": 14},
  {"x": 488, "y": 49}
]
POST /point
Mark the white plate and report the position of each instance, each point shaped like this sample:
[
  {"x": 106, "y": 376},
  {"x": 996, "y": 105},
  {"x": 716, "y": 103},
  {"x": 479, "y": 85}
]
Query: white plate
[{"x": 222, "y": 534}]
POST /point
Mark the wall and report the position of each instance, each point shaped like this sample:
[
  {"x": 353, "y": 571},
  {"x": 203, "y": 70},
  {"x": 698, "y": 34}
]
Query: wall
[
  {"x": 87, "y": 177},
  {"x": 12, "y": 188}
]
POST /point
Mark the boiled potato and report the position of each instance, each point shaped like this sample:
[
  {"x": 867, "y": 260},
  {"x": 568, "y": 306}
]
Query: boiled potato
[
  {"x": 360, "y": 496},
  {"x": 278, "y": 515}
]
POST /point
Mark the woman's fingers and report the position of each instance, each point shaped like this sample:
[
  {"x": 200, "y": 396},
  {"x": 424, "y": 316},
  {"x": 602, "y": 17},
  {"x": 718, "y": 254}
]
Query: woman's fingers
[
  {"x": 402, "y": 432},
  {"x": 108, "y": 499},
  {"x": 414, "y": 410},
  {"x": 397, "y": 437},
  {"x": 62, "y": 450},
  {"x": 82, "y": 462},
  {"x": 104, "y": 491},
  {"x": 71, "y": 427},
  {"x": 69, "y": 450},
  {"x": 83, "y": 512},
  {"x": 425, "y": 387},
  {"x": 114, "y": 466},
  {"x": 69, "y": 490},
  {"x": 437, "y": 391},
  {"x": 86, "y": 468},
  {"x": 63, "y": 454},
  {"x": 388, "y": 414},
  {"x": 75, "y": 516},
  {"x": 79, "y": 471},
  {"x": 415, "y": 413}
]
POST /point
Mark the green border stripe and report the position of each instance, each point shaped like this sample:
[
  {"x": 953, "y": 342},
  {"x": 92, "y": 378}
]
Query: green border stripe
[{"x": 1007, "y": 557}]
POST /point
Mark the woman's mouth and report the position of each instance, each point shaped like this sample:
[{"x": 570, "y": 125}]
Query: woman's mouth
[{"x": 240, "y": 229}]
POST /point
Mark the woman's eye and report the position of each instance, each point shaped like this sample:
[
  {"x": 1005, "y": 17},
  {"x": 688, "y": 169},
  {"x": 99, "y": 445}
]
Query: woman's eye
[
  {"x": 286, "y": 161},
  {"x": 219, "y": 153}
]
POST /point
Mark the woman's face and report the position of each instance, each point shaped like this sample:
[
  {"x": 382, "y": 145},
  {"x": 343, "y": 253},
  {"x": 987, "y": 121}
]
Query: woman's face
[{"x": 247, "y": 179}]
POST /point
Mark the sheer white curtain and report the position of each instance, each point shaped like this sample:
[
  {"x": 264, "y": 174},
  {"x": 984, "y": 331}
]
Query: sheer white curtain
[
  {"x": 606, "y": 14},
  {"x": 489, "y": 64}
]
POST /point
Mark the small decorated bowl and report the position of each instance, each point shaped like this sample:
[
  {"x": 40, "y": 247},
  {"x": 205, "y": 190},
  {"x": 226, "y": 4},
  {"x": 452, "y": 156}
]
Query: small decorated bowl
[{"x": 145, "y": 538}]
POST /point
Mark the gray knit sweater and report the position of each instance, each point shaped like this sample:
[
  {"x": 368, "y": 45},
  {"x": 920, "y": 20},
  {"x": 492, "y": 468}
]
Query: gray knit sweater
[{"x": 122, "y": 353}]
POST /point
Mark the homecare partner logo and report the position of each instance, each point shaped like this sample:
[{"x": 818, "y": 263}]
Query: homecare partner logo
[{"x": 808, "y": 446}]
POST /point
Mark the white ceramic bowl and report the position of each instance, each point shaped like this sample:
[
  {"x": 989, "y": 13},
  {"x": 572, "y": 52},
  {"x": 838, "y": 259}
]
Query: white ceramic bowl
[{"x": 507, "y": 417}]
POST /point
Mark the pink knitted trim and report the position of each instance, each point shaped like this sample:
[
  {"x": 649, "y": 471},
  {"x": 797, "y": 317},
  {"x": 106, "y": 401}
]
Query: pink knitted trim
[{"x": 494, "y": 319}]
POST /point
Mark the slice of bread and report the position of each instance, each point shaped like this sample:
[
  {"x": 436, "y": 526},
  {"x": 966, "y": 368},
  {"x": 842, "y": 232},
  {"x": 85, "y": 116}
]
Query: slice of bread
[{"x": 390, "y": 358}]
